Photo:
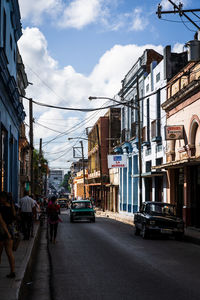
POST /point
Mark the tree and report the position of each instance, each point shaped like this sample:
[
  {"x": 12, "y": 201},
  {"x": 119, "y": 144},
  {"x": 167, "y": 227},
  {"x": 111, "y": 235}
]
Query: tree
[{"x": 40, "y": 170}]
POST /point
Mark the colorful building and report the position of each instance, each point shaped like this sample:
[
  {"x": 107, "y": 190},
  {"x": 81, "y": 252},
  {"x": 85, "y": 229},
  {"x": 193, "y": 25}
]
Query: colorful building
[
  {"x": 182, "y": 108},
  {"x": 11, "y": 107}
]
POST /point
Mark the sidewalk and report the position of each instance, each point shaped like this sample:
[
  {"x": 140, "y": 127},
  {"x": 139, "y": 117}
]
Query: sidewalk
[
  {"x": 10, "y": 288},
  {"x": 192, "y": 234}
]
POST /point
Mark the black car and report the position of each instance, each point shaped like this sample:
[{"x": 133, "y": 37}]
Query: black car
[{"x": 158, "y": 218}]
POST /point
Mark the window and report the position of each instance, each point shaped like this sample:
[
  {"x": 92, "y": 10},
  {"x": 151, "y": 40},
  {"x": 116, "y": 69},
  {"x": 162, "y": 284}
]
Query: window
[
  {"x": 11, "y": 42},
  {"x": 158, "y": 112},
  {"x": 158, "y": 77},
  {"x": 159, "y": 161},
  {"x": 147, "y": 87},
  {"x": 144, "y": 130},
  {"x": 148, "y": 120},
  {"x": 133, "y": 129},
  {"x": 153, "y": 129},
  {"x": 148, "y": 166},
  {"x": 123, "y": 117}
]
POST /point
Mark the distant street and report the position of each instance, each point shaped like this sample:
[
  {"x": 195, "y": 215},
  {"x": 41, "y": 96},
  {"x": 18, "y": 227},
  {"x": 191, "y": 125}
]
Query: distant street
[{"x": 106, "y": 260}]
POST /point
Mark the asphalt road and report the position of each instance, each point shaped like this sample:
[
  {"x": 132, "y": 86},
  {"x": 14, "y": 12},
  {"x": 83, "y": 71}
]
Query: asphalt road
[{"x": 105, "y": 260}]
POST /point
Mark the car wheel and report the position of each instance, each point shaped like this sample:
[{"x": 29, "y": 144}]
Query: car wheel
[
  {"x": 137, "y": 231},
  {"x": 71, "y": 220},
  {"x": 145, "y": 233}
]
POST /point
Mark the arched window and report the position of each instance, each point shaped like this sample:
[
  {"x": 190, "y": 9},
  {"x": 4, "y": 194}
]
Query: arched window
[{"x": 193, "y": 133}]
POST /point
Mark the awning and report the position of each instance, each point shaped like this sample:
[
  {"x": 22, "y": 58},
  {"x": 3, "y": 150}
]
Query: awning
[
  {"x": 153, "y": 174},
  {"x": 178, "y": 163}
]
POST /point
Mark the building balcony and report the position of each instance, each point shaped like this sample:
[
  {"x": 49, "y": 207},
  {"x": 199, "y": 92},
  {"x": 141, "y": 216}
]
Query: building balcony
[{"x": 94, "y": 175}]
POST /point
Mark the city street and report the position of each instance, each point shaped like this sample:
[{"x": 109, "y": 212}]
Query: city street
[{"x": 105, "y": 260}]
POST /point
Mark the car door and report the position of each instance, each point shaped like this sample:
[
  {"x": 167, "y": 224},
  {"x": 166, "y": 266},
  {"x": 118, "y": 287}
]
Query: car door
[{"x": 140, "y": 216}]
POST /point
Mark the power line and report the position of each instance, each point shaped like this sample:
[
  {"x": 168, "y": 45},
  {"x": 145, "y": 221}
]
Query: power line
[
  {"x": 195, "y": 15},
  {"x": 186, "y": 25},
  {"x": 68, "y": 108},
  {"x": 47, "y": 127},
  {"x": 75, "y": 127},
  {"x": 173, "y": 21}
]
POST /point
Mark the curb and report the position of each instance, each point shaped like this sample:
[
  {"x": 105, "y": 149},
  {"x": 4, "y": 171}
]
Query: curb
[
  {"x": 116, "y": 218},
  {"x": 27, "y": 262}
]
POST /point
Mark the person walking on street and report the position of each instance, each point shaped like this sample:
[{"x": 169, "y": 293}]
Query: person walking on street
[
  {"x": 53, "y": 211},
  {"x": 7, "y": 217},
  {"x": 27, "y": 211}
]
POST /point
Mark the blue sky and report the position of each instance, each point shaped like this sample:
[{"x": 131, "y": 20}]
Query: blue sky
[
  {"x": 72, "y": 49},
  {"x": 95, "y": 38}
]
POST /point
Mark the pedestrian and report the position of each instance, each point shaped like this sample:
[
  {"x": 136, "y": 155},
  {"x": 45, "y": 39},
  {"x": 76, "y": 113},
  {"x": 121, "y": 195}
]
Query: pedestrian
[
  {"x": 27, "y": 211},
  {"x": 7, "y": 217},
  {"x": 53, "y": 211}
]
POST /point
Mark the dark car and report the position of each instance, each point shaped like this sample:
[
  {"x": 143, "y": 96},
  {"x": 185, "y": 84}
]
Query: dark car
[
  {"x": 158, "y": 218},
  {"x": 82, "y": 210}
]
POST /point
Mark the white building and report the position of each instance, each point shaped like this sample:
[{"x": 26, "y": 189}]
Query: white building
[
  {"x": 56, "y": 178},
  {"x": 153, "y": 135}
]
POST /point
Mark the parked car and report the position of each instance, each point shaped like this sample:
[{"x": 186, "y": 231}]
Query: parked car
[
  {"x": 82, "y": 210},
  {"x": 158, "y": 218}
]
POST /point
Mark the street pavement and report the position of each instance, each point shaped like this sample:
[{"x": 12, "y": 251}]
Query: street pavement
[{"x": 105, "y": 260}]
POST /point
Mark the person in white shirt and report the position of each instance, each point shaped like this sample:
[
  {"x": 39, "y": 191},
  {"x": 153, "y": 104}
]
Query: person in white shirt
[{"x": 27, "y": 209}]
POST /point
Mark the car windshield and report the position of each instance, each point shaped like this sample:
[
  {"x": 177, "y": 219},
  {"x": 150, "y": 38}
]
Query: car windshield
[
  {"x": 81, "y": 205},
  {"x": 161, "y": 209}
]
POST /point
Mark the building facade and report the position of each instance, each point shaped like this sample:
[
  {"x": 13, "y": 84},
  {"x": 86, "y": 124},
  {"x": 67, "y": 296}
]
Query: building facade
[
  {"x": 98, "y": 174},
  {"x": 154, "y": 183},
  {"x": 78, "y": 185},
  {"x": 11, "y": 107},
  {"x": 132, "y": 89},
  {"x": 182, "y": 108}
]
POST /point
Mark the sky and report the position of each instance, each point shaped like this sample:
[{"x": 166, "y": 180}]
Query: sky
[{"x": 78, "y": 48}]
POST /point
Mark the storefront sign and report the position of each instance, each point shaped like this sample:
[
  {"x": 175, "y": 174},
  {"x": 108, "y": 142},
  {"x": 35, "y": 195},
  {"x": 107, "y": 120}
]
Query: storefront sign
[
  {"x": 174, "y": 132},
  {"x": 117, "y": 161}
]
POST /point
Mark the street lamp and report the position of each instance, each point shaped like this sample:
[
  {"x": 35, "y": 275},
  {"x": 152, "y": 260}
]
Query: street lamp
[{"x": 128, "y": 104}]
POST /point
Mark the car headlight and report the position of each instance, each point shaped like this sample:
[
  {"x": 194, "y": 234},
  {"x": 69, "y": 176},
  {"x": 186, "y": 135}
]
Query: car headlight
[{"x": 152, "y": 222}]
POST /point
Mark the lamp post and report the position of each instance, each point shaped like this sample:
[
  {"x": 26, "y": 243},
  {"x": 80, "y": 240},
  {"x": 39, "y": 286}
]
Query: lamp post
[{"x": 139, "y": 133}]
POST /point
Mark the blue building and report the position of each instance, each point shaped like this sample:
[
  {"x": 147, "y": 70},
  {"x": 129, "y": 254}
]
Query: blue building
[
  {"x": 131, "y": 85},
  {"x": 11, "y": 107}
]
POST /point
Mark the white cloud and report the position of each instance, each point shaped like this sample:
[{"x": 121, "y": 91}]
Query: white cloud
[
  {"x": 178, "y": 48},
  {"x": 34, "y": 10},
  {"x": 167, "y": 5},
  {"x": 139, "y": 22},
  {"x": 80, "y": 13},
  {"x": 68, "y": 88}
]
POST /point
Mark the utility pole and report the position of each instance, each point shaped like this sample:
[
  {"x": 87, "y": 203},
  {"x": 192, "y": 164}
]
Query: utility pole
[
  {"x": 31, "y": 143},
  {"x": 139, "y": 144},
  {"x": 178, "y": 9},
  {"x": 40, "y": 167},
  {"x": 100, "y": 167},
  {"x": 82, "y": 151}
]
